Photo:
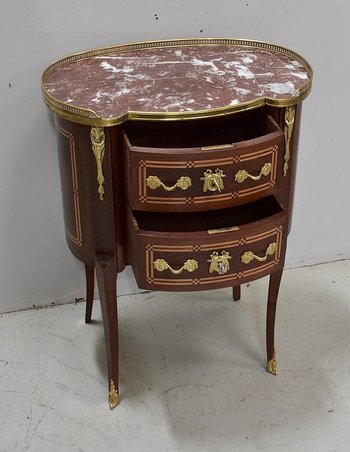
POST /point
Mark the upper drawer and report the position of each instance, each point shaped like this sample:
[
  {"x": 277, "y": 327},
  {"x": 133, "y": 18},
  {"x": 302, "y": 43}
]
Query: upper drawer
[{"x": 201, "y": 165}]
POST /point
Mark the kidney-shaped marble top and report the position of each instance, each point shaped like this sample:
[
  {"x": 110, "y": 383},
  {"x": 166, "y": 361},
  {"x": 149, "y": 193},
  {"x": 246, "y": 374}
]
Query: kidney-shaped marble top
[{"x": 175, "y": 77}]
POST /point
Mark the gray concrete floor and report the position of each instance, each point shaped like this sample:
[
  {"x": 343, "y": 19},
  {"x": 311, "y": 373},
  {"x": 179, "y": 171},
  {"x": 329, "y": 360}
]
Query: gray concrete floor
[{"x": 192, "y": 372}]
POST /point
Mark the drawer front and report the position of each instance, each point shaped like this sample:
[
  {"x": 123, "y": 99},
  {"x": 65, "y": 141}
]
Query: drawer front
[
  {"x": 218, "y": 260},
  {"x": 205, "y": 178}
]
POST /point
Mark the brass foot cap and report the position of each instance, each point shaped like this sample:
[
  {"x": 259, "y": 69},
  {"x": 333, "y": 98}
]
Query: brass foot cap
[
  {"x": 272, "y": 365},
  {"x": 113, "y": 396}
]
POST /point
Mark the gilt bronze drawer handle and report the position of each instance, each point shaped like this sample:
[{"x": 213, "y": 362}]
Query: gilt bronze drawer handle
[
  {"x": 213, "y": 181},
  {"x": 190, "y": 265},
  {"x": 154, "y": 182},
  {"x": 248, "y": 256},
  {"x": 219, "y": 264},
  {"x": 242, "y": 175}
]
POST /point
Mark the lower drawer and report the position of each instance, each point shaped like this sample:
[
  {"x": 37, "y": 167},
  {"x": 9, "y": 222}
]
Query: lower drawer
[{"x": 206, "y": 250}]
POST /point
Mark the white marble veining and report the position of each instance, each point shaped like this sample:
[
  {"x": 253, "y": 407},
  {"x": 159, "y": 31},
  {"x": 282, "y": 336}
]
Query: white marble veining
[
  {"x": 174, "y": 79},
  {"x": 281, "y": 88},
  {"x": 192, "y": 372}
]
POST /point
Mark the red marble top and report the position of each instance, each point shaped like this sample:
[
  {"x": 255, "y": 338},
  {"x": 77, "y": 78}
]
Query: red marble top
[{"x": 183, "y": 78}]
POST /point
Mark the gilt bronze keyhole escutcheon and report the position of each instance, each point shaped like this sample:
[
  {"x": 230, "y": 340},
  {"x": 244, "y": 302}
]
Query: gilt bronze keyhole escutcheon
[
  {"x": 213, "y": 180},
  {"x": 219, "y": 263}
]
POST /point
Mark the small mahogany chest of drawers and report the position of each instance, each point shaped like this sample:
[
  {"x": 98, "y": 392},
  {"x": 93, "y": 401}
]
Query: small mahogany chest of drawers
[{"x": 178, "y": 158}]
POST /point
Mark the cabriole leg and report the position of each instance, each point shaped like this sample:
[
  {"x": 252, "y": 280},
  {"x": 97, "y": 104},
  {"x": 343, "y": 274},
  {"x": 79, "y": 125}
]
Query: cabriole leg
[
  {"x": 275, "y": 280},
  {"x": 236, "y": 293},
  {"x": 106, "y": 272},
  {"x": 89, "y": 276}
]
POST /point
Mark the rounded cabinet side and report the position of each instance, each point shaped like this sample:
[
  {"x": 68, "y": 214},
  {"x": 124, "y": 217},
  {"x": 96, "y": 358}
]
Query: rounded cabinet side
[{"x": 72, "y": 145}]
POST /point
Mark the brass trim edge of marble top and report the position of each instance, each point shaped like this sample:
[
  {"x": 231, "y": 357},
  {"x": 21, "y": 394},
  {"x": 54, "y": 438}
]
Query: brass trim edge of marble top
[{"x": 89, "y": 117}]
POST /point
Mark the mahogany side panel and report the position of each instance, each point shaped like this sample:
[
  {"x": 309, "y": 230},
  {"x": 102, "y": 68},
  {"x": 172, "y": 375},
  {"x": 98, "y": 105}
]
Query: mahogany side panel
[
  {"x": 73, "y": 143},
  {"x": 92, "y": 225},
  {"x": 119, "y": 181},
  {"x": 285, "y": 186}
]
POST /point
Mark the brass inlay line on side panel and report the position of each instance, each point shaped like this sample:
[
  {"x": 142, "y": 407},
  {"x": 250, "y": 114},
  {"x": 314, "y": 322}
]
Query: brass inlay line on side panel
[
  {"x": 76, "y": 238},
  {"x": 75, "y": 190}
]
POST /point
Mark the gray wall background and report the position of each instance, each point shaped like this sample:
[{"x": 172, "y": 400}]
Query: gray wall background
[{"x": 35, "y": 264}]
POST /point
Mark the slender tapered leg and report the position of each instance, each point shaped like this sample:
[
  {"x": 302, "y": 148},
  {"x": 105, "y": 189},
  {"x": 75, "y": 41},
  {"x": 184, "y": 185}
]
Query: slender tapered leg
[
  {"x": 275, "y": 280},
  {"x": 236, "y": 293},
  {"x": 89, "y": 275},
  {"x": 106, "y": 272}
]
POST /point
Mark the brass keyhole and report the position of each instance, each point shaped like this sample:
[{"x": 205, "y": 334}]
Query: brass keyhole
[{"x": 213, "y": 181}]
